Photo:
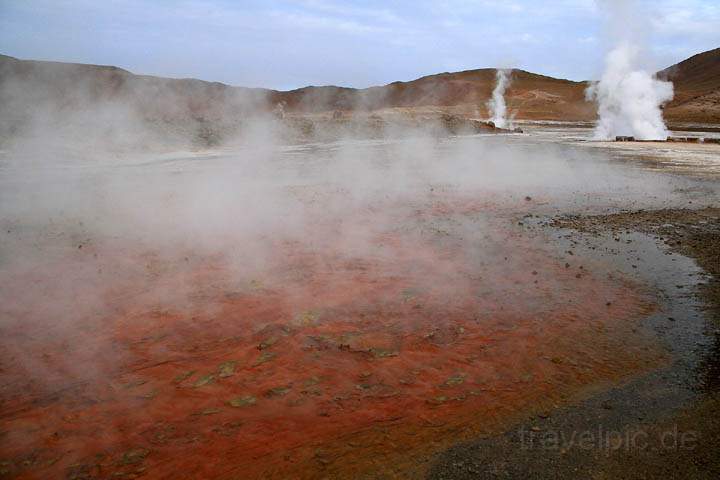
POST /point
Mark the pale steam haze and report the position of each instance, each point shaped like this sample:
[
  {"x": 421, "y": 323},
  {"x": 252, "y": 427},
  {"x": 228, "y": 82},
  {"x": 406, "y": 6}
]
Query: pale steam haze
[{"x": 629, "y": 97}]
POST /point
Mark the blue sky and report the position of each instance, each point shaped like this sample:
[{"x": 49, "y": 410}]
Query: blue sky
[{"x": 286, "y": 44}]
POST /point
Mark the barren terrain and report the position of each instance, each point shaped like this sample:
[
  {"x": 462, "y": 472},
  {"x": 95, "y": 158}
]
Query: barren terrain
[{"x": 188, "y": 112}]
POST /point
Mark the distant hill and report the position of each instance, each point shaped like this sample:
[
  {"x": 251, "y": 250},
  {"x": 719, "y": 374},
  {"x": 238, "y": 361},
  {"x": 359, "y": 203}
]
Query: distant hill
[
  {"x": 697, "y": 88},
  {"x": 530, "y": 95},
  {"x": 103, "y": 100}
]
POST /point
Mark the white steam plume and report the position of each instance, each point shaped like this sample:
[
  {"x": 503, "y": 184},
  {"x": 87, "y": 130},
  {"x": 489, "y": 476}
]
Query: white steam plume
[
  {"x": 629, "y": 97},
  {"x": 496, "y": 105}
]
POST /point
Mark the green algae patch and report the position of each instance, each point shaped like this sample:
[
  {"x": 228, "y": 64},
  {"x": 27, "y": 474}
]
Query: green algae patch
[
  {"x": 265, "y": 344},
  {"x": 183, "y": 376},
  {"x": 204, "y": 380},
  {"x": 227, "y": 369},
  {"x": 383, "y": 353},
  {"x": 409, "y": 294},
  {"x": 311, "y": 381},
  {"x": 149, "y": 395},
  {"x": 210, "y": 411},
  {"x": 278, "y": 391},
  {"x": 307, "y": 318},
  {"x": 133, "y": 384},
  {"x": 264, "y": 358},
  {"x": 256, "y": 285},
  {"x": 241, "y": 402},
  {"x": 134, "y": 456},
  {"x": 455, "y": 380},
  {"x": 438, "y": 400}
]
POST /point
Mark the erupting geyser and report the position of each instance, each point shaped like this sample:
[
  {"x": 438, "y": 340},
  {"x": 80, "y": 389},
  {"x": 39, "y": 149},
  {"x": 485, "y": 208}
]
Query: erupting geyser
[
  {"x": 629, "y": 98},
  {"x": 496, "y": 105}
]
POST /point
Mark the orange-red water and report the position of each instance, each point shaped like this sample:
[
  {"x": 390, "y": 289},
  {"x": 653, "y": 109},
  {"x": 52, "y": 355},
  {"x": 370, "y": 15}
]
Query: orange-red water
[{"x": 330, "y": 361}]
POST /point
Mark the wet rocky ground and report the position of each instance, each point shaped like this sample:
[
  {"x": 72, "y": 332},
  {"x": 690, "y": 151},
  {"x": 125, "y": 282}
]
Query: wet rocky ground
[
  {"x": 693, "y": 233},
  {"x": 663, "y": 425}
]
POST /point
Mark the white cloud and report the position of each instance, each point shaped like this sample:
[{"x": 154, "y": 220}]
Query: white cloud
[
  {"x": 682, "y": 21},
  {"x": 342, "y": 9},
  {"x": 313, "y": 22}
]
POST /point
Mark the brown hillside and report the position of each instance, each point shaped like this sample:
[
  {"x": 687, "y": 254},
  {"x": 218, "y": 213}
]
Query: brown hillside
[
  {"x": 696, "y": 76},
  {"x": 202, "y": 111},
  {"x": 530, "y": 95},
  {"x": 52, "y": 95},
  {"x": 697, "y": 88}
]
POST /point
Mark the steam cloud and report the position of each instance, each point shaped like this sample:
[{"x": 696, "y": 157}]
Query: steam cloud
[
  {"x": 496, "y": 105},
  {"x": 629, "y": 97}
]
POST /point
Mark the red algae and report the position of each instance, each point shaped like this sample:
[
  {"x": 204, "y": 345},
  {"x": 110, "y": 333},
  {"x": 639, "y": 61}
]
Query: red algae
[{"x": 331, "y": 359}]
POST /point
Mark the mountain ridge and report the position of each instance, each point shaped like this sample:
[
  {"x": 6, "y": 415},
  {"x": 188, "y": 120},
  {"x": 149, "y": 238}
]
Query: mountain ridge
[
  {"x": 37, "y": 94},
  {"x": 530, "y": 95}
]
